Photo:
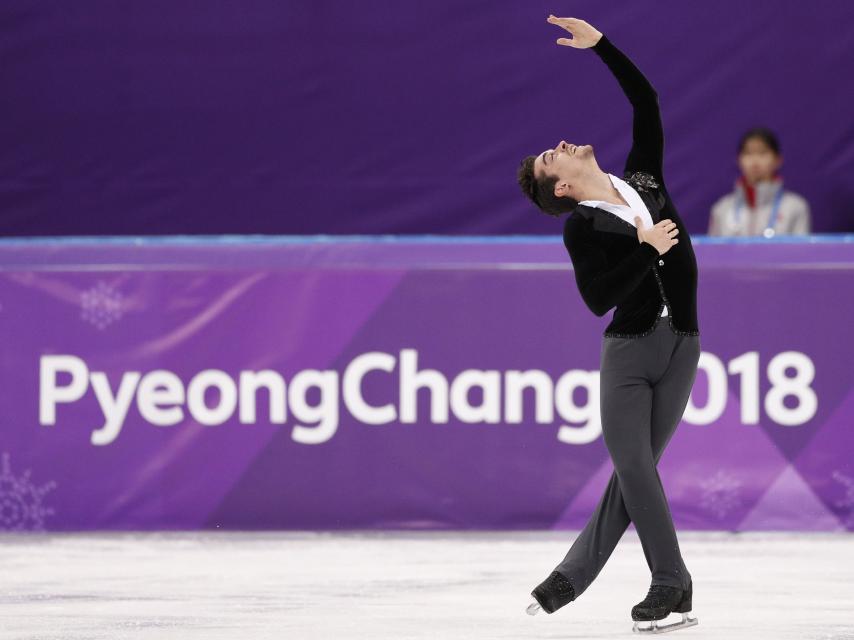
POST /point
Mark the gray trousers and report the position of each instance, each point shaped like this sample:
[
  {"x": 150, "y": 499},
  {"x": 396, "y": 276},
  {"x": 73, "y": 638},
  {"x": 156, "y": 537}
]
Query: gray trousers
[{"x": 644, "y": 388}]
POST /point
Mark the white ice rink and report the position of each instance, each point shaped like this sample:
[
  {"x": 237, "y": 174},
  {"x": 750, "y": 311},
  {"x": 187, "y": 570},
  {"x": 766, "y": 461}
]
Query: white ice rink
[{"x": 405, "y": 585}]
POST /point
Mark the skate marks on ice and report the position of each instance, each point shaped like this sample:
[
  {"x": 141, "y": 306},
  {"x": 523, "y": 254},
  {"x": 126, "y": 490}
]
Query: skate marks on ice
[
  {"x": 747, "y": 585},
  {"x": 402, "y": 585}
]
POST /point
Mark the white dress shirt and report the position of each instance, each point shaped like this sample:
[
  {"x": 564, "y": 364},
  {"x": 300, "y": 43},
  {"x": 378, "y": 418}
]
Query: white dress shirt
[{"x": 636, "y": 207}]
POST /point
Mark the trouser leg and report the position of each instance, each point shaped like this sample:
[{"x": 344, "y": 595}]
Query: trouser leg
[
  {"x": 644, "y": 390},
  {"x": 669, "y": 399}
]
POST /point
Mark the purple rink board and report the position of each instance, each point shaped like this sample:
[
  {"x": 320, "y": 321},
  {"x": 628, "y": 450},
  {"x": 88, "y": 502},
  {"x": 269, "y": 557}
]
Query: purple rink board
[{"x": 401, "y": 383}]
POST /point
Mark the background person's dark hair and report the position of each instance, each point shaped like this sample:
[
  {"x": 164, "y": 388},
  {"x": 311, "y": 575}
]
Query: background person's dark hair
[
  {"x": 542, "y": 192},
  {"x": 763, "y": 133}
]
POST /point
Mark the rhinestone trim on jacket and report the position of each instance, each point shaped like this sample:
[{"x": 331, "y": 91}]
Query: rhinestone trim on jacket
[{"x": 641, "y": 180}]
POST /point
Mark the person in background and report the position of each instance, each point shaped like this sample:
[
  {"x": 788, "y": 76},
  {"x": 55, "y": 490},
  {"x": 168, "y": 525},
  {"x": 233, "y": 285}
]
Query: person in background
[{"x": 759, "y": 205}]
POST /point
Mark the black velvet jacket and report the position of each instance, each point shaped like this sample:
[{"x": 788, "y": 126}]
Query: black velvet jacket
[{"x": 613, "y": 269}]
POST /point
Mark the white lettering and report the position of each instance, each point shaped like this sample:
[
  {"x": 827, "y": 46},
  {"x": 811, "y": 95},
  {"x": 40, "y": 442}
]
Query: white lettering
[{"x": 474, "y": 396}]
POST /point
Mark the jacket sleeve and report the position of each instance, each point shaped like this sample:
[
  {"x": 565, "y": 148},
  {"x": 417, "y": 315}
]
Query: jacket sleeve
[
  {"x": 647, "y": 152},
  {"x": 601, "y": 287}
]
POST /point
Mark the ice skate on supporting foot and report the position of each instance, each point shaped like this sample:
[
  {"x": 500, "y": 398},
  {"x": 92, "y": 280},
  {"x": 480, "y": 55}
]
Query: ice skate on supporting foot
[
  {"x": 551, "y": 594},
  {"x": 654, "y": 626},
  {"x": 660, "y": 601}
]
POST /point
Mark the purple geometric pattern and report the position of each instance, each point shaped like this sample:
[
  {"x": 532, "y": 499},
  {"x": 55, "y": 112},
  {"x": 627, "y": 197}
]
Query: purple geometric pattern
[{"x": 155, "y": 428}]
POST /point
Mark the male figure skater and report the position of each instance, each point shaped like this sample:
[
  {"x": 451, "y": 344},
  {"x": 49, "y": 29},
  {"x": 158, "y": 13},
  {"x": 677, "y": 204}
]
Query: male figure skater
[{"x": 621, "y": 239}]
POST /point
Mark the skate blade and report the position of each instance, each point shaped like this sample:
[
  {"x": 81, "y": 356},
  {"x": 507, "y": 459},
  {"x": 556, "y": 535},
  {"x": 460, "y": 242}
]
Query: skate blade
[
  {"x": 687, "y": 621},
  {"x": 533, "y": 608}
]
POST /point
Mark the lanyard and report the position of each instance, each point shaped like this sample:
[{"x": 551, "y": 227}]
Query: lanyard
[{"x": 769, "y": 229}]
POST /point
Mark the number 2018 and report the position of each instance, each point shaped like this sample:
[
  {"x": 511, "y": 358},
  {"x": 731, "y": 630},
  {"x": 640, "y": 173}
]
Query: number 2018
[{"x": 746, "y": 366}]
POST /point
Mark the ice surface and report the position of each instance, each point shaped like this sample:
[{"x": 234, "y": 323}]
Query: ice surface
[{"x": 398, "y": 585}]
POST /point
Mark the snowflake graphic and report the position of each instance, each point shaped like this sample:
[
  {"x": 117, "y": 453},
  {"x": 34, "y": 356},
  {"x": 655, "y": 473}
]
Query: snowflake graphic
[
  {"x": 847, "y": 502},
  {"x": 720, "y": 493},
  {"x": 101, "y": 305},
  {"x": 21, "y": 501}
]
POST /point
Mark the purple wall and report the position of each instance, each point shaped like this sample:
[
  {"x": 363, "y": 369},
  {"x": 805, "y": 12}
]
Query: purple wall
[{"x": 164, "y": 117}]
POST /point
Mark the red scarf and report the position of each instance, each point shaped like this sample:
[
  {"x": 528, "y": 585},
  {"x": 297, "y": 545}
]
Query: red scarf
[{"x": 750, "y": 191}]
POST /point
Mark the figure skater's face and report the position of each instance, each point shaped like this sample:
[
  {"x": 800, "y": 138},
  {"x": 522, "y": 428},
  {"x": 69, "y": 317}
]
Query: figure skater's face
[
  {"x": 570, "y": 163},
  {"x": 758, "y": 161}
]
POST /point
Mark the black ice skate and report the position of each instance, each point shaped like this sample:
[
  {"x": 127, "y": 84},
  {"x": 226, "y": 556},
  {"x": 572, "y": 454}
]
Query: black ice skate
[
  {"x": 660, "y": 601},
  {"x": 551, "y": 594}
]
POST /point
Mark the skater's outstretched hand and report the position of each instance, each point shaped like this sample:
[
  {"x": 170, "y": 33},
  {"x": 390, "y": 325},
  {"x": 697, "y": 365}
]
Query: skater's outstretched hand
[
  {"x": 661, "y": 235},
  {"x": 584, "y": 35}
]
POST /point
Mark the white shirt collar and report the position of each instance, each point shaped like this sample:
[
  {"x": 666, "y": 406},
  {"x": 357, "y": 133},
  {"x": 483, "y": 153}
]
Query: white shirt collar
[{"x": 627, "y": 213}]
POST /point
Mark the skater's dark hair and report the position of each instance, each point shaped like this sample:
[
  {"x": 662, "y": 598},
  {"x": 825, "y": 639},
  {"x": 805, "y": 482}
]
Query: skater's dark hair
[
  {"x": 763, "y": 133},
  {"x": 542, "y": 192}
]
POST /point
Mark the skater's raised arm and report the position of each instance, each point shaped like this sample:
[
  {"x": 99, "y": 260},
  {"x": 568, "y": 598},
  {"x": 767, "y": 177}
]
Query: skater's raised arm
[{"x": 647, "y": 150}]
